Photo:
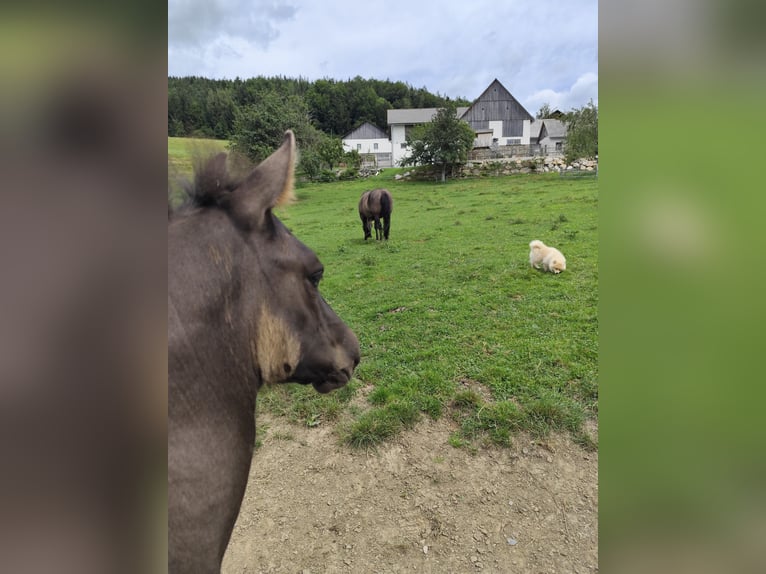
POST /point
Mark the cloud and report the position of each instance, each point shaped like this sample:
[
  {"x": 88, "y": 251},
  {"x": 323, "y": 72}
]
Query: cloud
[
  {"x": 584, "y": 89},
  {"x": 548, "y": 50},
  {"x": 194, "y": 24}
]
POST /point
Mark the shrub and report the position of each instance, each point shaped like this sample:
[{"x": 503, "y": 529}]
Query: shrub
[
  {"x": 349, "y": 173},
  {"x": 327, "y": 175}
]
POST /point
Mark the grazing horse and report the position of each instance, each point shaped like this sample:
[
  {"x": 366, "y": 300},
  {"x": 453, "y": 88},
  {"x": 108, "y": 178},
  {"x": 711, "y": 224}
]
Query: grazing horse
[
  {"x": 375, "y": 205},
  {"x": 244, "y": 310}
]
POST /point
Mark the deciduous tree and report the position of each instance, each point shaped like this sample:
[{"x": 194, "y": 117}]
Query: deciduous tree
[
  {"x": 444, "y": 142},
  {"x": 582, "y": 132},
  {"x": 260, "y": 127}
]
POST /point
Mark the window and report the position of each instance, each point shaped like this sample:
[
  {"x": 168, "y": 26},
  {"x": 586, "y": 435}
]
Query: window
[
  {"x": 513, "y": 141},
  {"x": 558, "y": 146},
  {"x": 375, "y": 146},
  {"x": 404, "y": 146},
  {"x": 358, "y": 147}
]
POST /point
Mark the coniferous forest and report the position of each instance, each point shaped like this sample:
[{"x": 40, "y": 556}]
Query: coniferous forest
[{"x": 202, "y": 107}]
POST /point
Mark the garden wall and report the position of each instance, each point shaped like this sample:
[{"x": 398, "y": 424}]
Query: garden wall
[{"x": 505, "y": 166}]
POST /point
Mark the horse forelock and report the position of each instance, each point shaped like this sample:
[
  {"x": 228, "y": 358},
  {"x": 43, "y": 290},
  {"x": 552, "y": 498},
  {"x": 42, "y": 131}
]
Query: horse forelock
[{"x": 214, "y": 179}]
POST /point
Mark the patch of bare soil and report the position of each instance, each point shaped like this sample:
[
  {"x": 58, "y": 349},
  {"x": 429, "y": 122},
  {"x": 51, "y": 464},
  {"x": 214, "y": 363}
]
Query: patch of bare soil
[{"x": 415, "y": 505}]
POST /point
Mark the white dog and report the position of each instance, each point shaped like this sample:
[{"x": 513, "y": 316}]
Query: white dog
[{"x": 549, "y": 257}]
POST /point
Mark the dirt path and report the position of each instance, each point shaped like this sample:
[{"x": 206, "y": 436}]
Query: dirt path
[{"x": 416, "y": 505}]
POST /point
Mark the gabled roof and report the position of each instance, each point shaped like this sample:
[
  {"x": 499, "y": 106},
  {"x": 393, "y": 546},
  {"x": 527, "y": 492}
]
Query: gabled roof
[
  {"x": 494, "y": 94},
  {"x": 366, "y": 131},
  {"x": 416, "y": 115},
  {"x": 555, "y": 128},
  {"x": 547, "y": 127},
  {"x": 534, "y": 128}
]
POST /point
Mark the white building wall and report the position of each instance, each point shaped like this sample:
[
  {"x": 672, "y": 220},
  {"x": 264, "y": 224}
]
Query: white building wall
[
  {"x": 367, "y": 146},
  {"x": 548, "y": 145},
  {"x": 397, "y": 140},
  {"x": 497, "y": 130},
  {"x": 526, "y": 132}
]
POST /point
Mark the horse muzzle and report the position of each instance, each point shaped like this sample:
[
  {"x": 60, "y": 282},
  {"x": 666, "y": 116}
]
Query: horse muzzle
[{"x": 327, "y": 386}]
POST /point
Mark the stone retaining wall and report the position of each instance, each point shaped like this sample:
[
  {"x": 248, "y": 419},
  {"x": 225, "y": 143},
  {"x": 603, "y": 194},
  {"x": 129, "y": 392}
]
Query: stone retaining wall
[{"x": 507, "y": 166}]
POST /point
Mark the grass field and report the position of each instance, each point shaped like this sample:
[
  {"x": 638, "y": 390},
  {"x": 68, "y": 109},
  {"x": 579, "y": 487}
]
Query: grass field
[{"x": 451, "y": 319}]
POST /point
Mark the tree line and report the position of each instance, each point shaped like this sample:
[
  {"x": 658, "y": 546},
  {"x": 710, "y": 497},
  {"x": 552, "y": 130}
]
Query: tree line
[{"x": 203, "y": 107}]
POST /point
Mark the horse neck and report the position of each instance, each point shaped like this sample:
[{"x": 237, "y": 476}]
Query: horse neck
[
  {"x": 208, "y": 335},
  {"x": 212, "y": 390}
]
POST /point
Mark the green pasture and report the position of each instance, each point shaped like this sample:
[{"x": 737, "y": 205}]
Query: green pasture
[{"x": 451, "y": 319}]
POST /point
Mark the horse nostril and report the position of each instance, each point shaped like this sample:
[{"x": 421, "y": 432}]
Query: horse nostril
[
  {"x": 288, "y": 369},
  {"x": 356, "y": 361}
]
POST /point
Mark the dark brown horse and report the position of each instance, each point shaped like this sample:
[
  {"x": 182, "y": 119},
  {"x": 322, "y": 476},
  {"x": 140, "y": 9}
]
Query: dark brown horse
[
  {"x": 244, "y": 309},
  {"x": 375, "y": 205}
]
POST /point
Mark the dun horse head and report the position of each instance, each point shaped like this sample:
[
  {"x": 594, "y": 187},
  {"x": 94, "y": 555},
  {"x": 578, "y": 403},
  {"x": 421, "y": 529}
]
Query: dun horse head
[
  {"x": 246, "y": 274},
  {"x": 244, "y": 309}
]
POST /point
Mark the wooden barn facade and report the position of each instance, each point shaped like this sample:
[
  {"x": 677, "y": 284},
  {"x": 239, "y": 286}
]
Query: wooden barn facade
[{"x": 498, "y": 112}]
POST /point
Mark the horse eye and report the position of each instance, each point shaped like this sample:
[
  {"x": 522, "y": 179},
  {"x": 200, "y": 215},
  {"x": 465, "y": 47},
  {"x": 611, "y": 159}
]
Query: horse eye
[{"x": 315, "y": 278}]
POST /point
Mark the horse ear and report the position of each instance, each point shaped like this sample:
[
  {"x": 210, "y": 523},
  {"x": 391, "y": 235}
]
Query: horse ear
[{"x": 269, "y": 184}]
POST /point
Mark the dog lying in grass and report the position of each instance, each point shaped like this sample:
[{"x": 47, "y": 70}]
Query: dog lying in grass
[{"x": 550, "y": 258}]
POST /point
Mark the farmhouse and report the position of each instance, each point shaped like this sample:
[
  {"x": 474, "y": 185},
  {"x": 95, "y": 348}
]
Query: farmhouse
[
  {"x": 497, "y": 119},
  {"x": 371, "y": 142}
]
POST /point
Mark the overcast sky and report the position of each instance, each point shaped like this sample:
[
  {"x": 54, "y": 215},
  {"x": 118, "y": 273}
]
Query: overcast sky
[{"x": 540, "y": 51}]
